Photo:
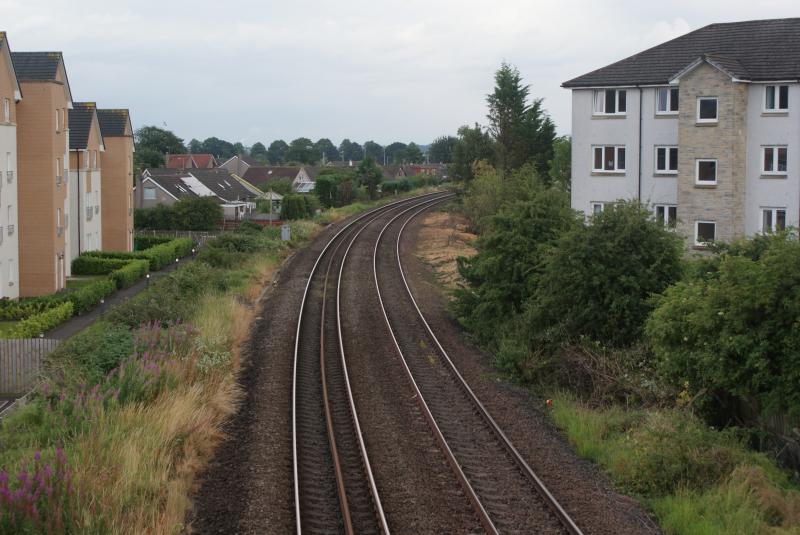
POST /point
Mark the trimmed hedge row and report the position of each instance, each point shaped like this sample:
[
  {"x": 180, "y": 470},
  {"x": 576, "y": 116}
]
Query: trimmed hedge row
[
  {"x": 140, "y": 243},
  {"x": 36, "y": 324},
  {"x": 130, "y": 273},
  {"x": 93, "y": 265},
  {"x": 159, "y": 255}
]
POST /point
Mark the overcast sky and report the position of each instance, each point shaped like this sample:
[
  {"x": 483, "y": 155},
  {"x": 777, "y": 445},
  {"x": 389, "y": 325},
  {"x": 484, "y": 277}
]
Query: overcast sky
[{"x": 385, "y": 70}]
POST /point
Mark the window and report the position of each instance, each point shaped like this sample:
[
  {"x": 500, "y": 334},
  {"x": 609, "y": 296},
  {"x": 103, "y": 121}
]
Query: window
[
  {"x": 707, "y": 110},
  {"x": 6, "y": 110},
  {"x": 667, "y": 101},
  {"x": 704, "y": 232},
  {"x": 776, "y": 98},
  {"x": 149, "y": 194},
  {"x": 58, "y": 121},
  {"x": 667, "y": 160},
  {"x": 775, "y": 159},
  {"x": 597, "y": 207},
  {"x": 610, "y": 102},
  {"x": 706, "y": 172},
  {"x": 773, "y": 219},
  {"x": 609, "y": 159},
  {"x": 667, "y": 214}
]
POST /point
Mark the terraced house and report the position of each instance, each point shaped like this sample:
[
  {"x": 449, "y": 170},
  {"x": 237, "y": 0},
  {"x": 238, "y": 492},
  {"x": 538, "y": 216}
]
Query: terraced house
[
  {"x": 85, "y": 178},
  {"x": 704, "y": 128},
  {"x": 10, "y": 94},
  {"x": 116, "y": 193},
  {"x": 42, "y": 162}
]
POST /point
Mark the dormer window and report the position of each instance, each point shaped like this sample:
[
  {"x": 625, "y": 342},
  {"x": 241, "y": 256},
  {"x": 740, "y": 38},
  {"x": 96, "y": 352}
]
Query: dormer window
[
  {"x": 707, "y": 110},
  {"x": 610, "y": 102},
  {"x": 776, "y": 98},
  {"x": 667, "y": 101}
]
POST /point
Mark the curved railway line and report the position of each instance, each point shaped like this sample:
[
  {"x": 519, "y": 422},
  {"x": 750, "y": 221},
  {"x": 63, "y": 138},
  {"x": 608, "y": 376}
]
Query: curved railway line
[{"x": 335, "y": 489}]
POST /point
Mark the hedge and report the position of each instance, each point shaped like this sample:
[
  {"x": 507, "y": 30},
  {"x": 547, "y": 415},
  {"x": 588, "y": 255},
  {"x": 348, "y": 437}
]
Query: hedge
[
  {"x": 87, "y": 297},
  {"x": 130, "y": 273},
  {"x": 43, "y": 321},
  {"x": 140, "y": 243},
  {"x": 93, "y": 265},
  {"x": 159, "y": 255}
]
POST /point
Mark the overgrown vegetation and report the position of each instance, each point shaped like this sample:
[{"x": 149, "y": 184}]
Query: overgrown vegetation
[
  {"x": 665, "y": 370},
  {"x": 189, "y": 213}
]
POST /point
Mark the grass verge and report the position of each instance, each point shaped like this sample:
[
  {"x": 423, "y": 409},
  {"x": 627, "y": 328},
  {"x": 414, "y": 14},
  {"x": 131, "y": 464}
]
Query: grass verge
[
  {"x": 696, "y": 480},
  {"x": 131, "y": 409}
]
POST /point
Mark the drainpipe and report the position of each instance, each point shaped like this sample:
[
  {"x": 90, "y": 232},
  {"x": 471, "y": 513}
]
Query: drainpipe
[
  {"x": 79, "y": 218},
  {"x": 639, "y": 176}
]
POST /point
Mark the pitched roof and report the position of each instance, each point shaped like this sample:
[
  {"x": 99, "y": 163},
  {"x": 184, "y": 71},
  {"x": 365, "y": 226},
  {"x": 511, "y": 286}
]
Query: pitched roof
[
  {"x": 756, "y": 50},
  {"x": 218, "y": 182},
  {"x": 36, "y": 66},
  {"x": 113, "y": 123},
  {"x": 202, "y": 160},
  {"x": 81, "y": 117},
  {"x": 260, "y": 175},
  {"x": 179, "y": 161}
]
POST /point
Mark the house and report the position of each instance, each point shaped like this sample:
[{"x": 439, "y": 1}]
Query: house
[
  {"x": 393, "y": 172},
  {"x": 240, "y": 164},
  {"x": 705, "y": 129},
  {"x": 10, "y": 95},
  {"x": 261, "y": 176},
  {"x": 85, "y": 179},
  {"x": 167, "y": 186},
  {"x": 433, "y": 170},
  {"x": 116, "y": 192},
  {"x": 190, "y": 161},
  {"x": 42, "y": 160}
]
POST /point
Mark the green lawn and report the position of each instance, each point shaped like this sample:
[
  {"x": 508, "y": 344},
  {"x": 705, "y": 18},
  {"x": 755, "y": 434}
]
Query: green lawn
[{"x": 73, "y": 283}]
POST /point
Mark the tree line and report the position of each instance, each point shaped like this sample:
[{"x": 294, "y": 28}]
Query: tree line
[{"x": 154, "y": 143}]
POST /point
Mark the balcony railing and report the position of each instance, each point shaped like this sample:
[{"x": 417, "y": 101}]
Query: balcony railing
[
  {"x": 59, "y": 231},
  {"x": 10, "y": 230},
  {"x": 97, "y": 209},
  {"x": 10, "y": 176},
  {"x": 58, "y": 180},
  {"x": 1, "y": 234},
  {"x": 89, "y": 213}
]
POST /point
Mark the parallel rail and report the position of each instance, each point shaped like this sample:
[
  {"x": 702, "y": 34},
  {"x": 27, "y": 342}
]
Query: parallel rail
[
  {"x": 362, "y": 220},
  {"x": 563, "y": 517}
]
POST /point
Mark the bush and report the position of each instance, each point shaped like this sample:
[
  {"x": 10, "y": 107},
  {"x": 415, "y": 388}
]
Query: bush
[
  {"x": 97, "y": 350},
  {"x": 36, "y": 324},
  {"x": 93, "y": 265},
  {"x": 392, "y": 187},
  {"x": 597, "y": 281},
  {"x": 248, "y": 227},
  {"x": 734, "y": 331},
  {"x": 189, "y": 213},
  {"x": 130, "y": 273},
  {"x": 294, "y": 207},
  {"x": 17, "y": 310},
  {"x": 158, "y": 255},
  {"x": 145, "y": 242},
  {"x": 505, "y": 272},
  {"x": 87, "y": 297}
]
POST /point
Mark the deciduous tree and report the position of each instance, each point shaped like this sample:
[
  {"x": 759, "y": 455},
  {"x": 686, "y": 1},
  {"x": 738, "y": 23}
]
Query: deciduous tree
[{"x": 277, "y": 152}]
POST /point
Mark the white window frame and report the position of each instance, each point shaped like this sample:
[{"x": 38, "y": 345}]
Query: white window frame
[
  {"x": 777, "y": 89},
  {"x": 699, "y": 243},
  {"x": 599, "y": 104},
  {"x": 773, "y": 171},
  {"x": 707, "y": 121},
  {"x": 145, "y": 194},
  {"x": 669, "y": 90},
  {"x": 596, "y": 207},
  {"x": 667, "y": 160},
  {"x": 7, "y": 110},
  {"x": 668, "y": 221},
  {"x": 773, "y": 211},
  {"x": 697, "y": 180},
  {"x": 603, "y": 148}
]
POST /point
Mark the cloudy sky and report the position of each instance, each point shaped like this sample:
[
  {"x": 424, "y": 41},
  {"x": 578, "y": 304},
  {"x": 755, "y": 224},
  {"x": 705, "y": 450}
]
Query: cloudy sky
[{"x": 384, "y": 70}]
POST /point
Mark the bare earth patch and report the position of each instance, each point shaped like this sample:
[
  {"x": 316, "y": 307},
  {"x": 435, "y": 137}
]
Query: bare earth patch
[{"x": 442, "y": 238}]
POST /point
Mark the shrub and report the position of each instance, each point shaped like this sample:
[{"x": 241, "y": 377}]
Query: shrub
[
  {"x": 294, "y": 207},
  {"x": 392, "y": 187},
  {"x": 735, "y": 331},
  {"x": 597, "y": 281},
  {"x": 131, "y": 272},
  {"x": 97, "y": 350},
  {"x": 505, "y": 272},
  {"x": 36, "y": 324},
  {"x": 17, "y": 310},
  {"x": 93, "y": 265},
  {"x": 87, "y": 297},
  {"x": 145, "y": 242},
  {"x": 248, "y": 227},
  {"x": 189, "y": 213}
]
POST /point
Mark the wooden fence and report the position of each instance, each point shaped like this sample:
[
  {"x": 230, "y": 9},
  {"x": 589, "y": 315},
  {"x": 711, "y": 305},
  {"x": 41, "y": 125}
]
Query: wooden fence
[{"x": 21, "y": 363}]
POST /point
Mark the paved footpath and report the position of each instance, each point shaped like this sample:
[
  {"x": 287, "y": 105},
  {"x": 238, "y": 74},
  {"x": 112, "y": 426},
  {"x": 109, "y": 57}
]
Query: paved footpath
[{"x": 78, "y": 323}]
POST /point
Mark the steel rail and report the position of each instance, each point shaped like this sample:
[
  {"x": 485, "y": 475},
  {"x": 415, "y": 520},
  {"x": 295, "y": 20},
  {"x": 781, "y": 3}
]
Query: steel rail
[
  {"x": 295, "y": 460},
  {"x": 483, "y": 515},
  {"x": 560, "y": 512}
]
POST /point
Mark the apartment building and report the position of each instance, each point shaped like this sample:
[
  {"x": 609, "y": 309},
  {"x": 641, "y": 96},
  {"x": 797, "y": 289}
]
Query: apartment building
[
  {"x": 704, "y": 128},
  {"x": 10, "y": 95},
  {"x": 85, "y": 180},
  {"x": 42, "y": 163},
  {"x": 117, "y": 184}
]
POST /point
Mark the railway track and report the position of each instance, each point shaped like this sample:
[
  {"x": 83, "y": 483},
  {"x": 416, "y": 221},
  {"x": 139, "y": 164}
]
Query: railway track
[
  {"x": 507, "y": 495},
  {"x": 334, "y": 489}
]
